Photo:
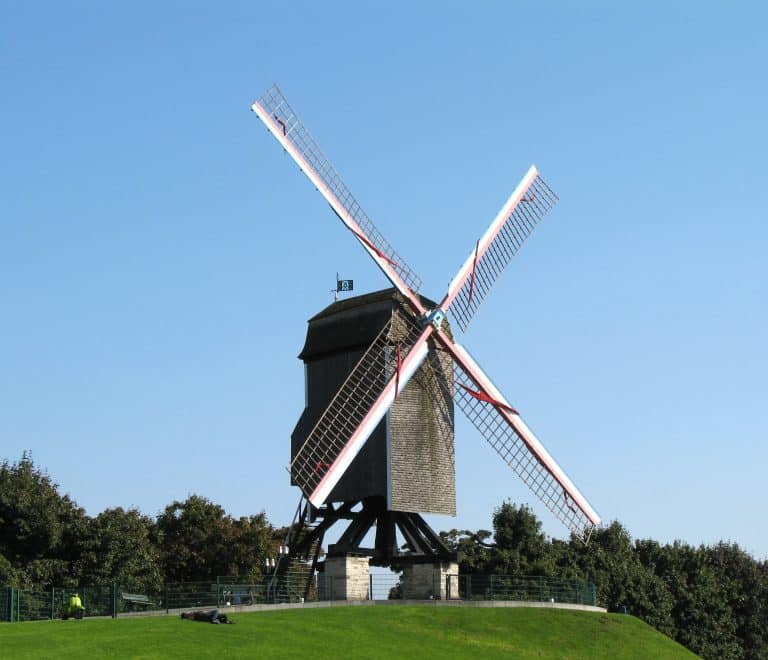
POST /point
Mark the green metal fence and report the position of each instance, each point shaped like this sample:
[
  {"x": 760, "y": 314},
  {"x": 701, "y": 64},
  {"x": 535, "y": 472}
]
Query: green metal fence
[
  {"x": 120, "y": 600},
  {"x": 521, "y": 588},
  {"x": 115, "y": 600},
  {"x": 34, "y": 605}
]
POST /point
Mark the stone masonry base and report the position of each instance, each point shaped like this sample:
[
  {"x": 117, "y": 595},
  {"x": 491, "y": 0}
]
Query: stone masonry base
[
  {"x": 428, "y": 581},
  {"x": 349, "y": 577}
]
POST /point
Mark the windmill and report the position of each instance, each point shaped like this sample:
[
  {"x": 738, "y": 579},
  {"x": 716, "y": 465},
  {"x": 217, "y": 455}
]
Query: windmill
[{"x": 416, "y": 342}]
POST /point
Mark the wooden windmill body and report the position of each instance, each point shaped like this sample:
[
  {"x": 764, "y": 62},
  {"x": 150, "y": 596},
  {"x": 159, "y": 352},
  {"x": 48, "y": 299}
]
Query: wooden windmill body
[
  {"x": 409, "y": 458},
  {"x": 407, "y": 465}
]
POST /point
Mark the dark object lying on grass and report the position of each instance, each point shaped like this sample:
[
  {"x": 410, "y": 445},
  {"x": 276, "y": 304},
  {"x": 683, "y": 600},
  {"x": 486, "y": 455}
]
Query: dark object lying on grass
[{"x": 213, "y": 616}]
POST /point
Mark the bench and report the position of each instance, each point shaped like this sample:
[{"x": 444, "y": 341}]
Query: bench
[{"x": 137, "y": 599}]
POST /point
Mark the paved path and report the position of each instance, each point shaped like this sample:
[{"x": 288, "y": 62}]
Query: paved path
[{"x": 371, "y": 603}]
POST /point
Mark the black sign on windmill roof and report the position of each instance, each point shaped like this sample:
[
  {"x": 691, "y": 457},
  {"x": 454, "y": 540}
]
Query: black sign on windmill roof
[{"x": 342, "y": 286}]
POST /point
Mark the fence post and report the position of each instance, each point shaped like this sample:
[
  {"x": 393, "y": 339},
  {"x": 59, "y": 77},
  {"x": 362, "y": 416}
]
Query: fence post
[
  {"x": 114, "y": 599},
  {"x": 370, "y": 586},
  {"x": 165, "y": 597},
  {"x": 491, "y": 587}
]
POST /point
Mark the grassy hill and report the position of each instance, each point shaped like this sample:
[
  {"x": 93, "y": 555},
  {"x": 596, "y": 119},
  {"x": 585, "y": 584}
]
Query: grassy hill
[{"x": 360, "y": 632}]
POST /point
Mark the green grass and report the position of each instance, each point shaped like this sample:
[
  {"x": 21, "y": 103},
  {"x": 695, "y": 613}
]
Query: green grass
[{"x": 346, "y": 632}]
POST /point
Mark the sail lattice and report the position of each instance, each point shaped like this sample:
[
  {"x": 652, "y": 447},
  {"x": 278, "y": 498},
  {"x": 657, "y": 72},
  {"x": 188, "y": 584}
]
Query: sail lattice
[
  {"x": 514, "y": 451},
  {"x": 297, "y": 134},
  {"x": 537, "y": 200},
  {"x": 352, "y": 402}
]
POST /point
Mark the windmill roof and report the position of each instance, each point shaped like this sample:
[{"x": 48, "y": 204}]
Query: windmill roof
[{"x": 352, "y": 323}]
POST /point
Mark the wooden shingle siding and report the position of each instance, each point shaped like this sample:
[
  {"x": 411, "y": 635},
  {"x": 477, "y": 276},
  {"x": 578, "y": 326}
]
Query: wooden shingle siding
[{"x": 418, "y": 475}]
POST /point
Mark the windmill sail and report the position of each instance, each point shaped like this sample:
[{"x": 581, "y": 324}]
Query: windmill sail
[
  {"x": 503, "y": 428},
  {"x": 386, "y": 367},
  {"x": 273, "y": 109},
  {"x": 527, "y": 205},
  {"x": 358, "y": 407}
]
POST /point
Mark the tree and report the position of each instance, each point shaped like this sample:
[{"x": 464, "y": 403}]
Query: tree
[
  {"x": 745, "y": 590},
  {"x": 520, "y": 545},
  {"x": 8, "y": 574},
  {"x": 39, "y": 528},
  {"x": 253, "y": 539},
  {"x": 193, "y": 540},
  {"x": 200, "y": 541},
  {"x": 611, "y": 562},
  {"x": 121, "y": 546},
  {"x": 703, "y": 619}
]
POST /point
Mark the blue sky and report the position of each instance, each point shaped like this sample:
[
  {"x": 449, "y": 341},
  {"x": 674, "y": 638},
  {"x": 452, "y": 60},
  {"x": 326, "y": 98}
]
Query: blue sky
[{"x": 159, "y": 254}]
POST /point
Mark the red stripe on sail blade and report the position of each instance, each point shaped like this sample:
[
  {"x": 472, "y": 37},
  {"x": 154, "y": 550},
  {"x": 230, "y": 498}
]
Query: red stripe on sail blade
[
  {"x": 482, "y": 396},
  {"x": 569, "y": 501},
  {"x": 375, "y": 249}
]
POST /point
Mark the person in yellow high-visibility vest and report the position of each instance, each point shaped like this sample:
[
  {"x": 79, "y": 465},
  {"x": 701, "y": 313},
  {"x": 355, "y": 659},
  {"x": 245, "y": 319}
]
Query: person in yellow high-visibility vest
[{"x": 76, "y": 608}]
